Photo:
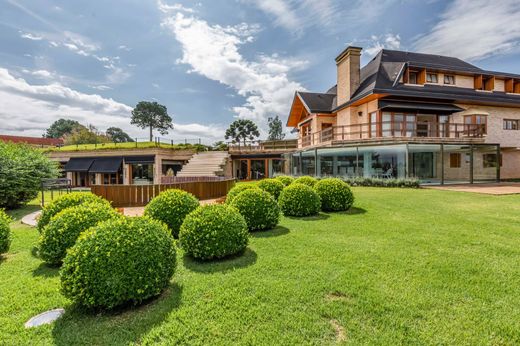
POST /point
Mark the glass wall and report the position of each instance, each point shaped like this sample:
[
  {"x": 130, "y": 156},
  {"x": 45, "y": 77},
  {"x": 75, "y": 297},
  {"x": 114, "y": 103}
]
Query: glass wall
[
  {"x": 457, "y": 164},
  {"x": 308, "y": 163},
  {"x": 485, "y": 163},
  {"x": 424, "y": 162},
  {"x": 338, "y": 162},
  {"x": 382, "y": 161},
  {"x": 142, "y": 174}
]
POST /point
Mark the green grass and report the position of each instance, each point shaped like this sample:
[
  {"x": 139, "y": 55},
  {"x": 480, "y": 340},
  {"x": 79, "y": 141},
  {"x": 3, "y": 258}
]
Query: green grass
[
  {"x": 127, "y": 145},
  {"x": 403, "y": 267}
]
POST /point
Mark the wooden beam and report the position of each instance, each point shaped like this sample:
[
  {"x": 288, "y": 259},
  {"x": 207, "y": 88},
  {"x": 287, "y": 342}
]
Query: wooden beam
[
  {"x": 489, "y": 84},
  {"x": 477, "y": 81},
  {"x": 421, "y": 78},
  {"x": 509, "y": 85},
  {"x": 406, "y": 75},
  {"x": 516, "y": 88}
]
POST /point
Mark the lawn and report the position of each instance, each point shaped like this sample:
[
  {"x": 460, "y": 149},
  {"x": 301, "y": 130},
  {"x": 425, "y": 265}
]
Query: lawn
[
  {"x": 402, "y": 267},
  {"x": 126, "y": 145}
]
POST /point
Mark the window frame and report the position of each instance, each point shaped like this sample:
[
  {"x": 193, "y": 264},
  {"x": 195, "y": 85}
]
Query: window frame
[
  {"x": 447, "y": 77},
  {"x": 455, "y": 160},
  {"x": 416, "y": 76},
  {"x": 429, "y": 78},
  {"x": 511, "y": 122}
]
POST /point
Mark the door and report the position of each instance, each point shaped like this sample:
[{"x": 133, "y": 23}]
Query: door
[{"x": 422, "y": 165}]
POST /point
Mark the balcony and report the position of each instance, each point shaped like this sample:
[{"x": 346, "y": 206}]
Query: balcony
[
  {"x": 392, "y": 130},
  {"x": 277, "y": 146}
]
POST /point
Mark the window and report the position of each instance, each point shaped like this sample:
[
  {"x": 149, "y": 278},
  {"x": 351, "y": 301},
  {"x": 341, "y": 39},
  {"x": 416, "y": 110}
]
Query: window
[
  {"x": 489, "y": 160},
  {"x": 510, "y": 124},
  {"x": 475, "y": 125},
  {"x": 455, "y": 159},
  {"x": 412, "y": 77},
  {"x": 431, "y": 78},
  {"x": 449, "y": 79}
]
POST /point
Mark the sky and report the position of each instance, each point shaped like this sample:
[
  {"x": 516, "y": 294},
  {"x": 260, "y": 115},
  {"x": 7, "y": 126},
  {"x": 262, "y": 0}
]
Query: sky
[{"x": 211, "y": 62}]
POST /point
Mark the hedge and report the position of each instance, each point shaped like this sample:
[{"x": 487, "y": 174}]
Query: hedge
[
  {"x": 306, "y": 180},
  {"x": 5, "y": 232},
  {"x": 335, "y": 194},
  {"x": 285, "y": 179},
  {"x": 299, "y": 200},
  {"x": 237, "y": 189},
  {"x": 273, "y": 186},
  {"x": 259, "y": 209}
]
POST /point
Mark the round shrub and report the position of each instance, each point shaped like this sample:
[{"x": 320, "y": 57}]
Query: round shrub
[
  {"x": 171, "y": 207},
  {"x": 66, "y": 226},
  {"x": 237, "y": 189},
  {"x": 285, "y": 179},
  {"x": 335, "y": 194},
  {"x": 5, "y": 232},
  {"x": 299, "y": 200},
  {"x": 273, "y": 186},
  {"x": 122, "y": 260},
  {"x": 65, "y": 201},
  {"x": 258, "y": 208},
  {"x": 213, "y": 231},
  {"x": 306, "y": 180}
]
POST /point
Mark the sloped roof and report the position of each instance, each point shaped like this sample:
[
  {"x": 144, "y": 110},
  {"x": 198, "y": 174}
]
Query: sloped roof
[
  {"x": 382, "y": 72},
  {"x": 32, "y": 140}
]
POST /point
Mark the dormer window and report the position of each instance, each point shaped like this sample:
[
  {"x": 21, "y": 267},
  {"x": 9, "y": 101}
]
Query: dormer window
[
  {"x": 412, "y": 77},
  {"x": 449, "y": 79},
  {"x": 431, "y": 78}
]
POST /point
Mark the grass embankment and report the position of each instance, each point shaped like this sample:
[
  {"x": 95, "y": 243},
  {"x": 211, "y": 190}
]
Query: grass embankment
[
  {"x": 127, "y": 145},
  {"x": 402, "y": 267}
]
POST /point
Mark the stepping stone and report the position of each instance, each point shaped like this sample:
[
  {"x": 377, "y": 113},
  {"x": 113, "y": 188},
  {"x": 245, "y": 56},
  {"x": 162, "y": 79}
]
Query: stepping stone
[
  {"x": 31, "y": 219},
  {"x": 46, "y": 317}
]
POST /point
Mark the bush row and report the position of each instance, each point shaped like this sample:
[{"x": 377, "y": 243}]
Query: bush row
[{"x": 5, "y": 232}]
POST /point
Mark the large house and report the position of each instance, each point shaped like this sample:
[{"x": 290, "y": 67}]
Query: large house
[{"x": 405, "y": 114}]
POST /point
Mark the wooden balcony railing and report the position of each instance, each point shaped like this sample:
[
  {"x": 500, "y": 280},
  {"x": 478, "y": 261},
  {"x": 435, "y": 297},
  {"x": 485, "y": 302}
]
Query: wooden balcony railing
[
  {"x": 392, "y": 129},
  {"x": 278, "y": 145}
]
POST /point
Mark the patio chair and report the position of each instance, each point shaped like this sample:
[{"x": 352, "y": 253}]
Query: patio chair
[{"x": 388, "y": 174}]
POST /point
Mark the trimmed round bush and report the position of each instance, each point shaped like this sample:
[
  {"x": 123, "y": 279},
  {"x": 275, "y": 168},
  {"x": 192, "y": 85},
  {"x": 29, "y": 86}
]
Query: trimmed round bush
[
  {"x": 273, "y": 186},
  {"x": 5, "y": 232},
  {"x": 258, "y": 208},
  {"x": 65, "y": 201},
  {"x": 306, "y": 180},
  {"x": 285, "y": 179},
  {"x": 66, "y": 226},
  {"x": 335, "y": 194},
  {"x": 171, "y": 207},
  {"x": 299, "y": 200},
  {"x": 214, "y": 231},
  {"x": 119, "y": 261},
  {"x": 237, "y": 189}
]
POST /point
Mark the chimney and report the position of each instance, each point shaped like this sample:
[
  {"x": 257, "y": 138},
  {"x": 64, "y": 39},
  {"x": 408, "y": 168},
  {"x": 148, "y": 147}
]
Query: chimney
[{"x": 348, "y": 65}]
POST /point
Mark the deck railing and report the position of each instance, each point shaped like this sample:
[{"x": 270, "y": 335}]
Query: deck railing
[
  {"x": 278, "y": 145},
  {"x": 140, "y": 195},
  {"x": 393, "y": 129}
]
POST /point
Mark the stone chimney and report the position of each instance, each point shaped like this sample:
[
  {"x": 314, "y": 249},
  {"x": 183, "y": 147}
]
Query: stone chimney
[{"x": 348, "y": 65}]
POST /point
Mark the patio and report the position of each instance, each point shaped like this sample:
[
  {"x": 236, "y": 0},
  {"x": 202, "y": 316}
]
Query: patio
[{"x": 504, "y": 188}]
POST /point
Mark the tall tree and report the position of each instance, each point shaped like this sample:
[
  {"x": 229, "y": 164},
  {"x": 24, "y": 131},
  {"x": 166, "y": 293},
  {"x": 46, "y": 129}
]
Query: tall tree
[
  {"x": 117, "y": 135},
  {"x": 84, "y": 135},
  {"x": 62, "y": 127},
  {"x": 152, "y": 115},
  {"x": 275, "y": 129},
  {"x": 242, "y": 130}
]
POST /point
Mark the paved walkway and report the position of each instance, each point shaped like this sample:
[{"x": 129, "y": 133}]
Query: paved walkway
[
  {"x": 31, "y": 219},
  {"x": 489, "y": 189}
]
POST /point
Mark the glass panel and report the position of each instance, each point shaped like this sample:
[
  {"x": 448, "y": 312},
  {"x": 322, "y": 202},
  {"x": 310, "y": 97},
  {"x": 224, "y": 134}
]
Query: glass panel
[
  {"x": 277, "y": 167},
  {"x": 142, "y": 174},
  {"x": 308, "y": 163},
  {"x": 424, "y": 162},
  {"x": 485, "y": 162},
  {"x": 410, "y": 125},
  {"x": 383, "y": 162},
  {"x": 386, "y": 124},
  {"x": 338, "y": 161},
  {"x": 257, "y": 169},
  {"x": 295, "y": 164},
  {"x": 457, "y": 174},
  {"x": 373, "y": 124}
]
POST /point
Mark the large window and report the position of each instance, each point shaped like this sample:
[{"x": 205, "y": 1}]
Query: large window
[
  {"x": 142, "y": 174},
  {"x": 449, "y": 79},
  {"x": 431, "y": 78},
  {"x": 475, "y": 125},
  {"x": 510, "y": 124}
]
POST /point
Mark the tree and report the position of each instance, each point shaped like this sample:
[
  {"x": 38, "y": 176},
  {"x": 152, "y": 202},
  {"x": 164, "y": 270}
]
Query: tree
[
  {"x": 21, "y": 170},
  {"x": 117, "y": 135},
  {"x": 220, "y": 146},
  {"x": 152, "y": 115},
  {"x": 62, "y": 127},
  {"x": 84, "y": 135},
  {"x": 275, "y": 129},
  {"x": 241, "y": 130}
]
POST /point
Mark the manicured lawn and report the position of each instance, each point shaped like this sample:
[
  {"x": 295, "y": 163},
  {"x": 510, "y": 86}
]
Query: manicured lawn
[
  {"x": 403, "y": 267},
  {"x": 127, "y": 145}
]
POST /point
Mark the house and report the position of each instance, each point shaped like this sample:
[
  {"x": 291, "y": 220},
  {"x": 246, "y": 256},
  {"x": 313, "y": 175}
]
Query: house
[
  {"x": 406, "y": 114},
  {"x": 33, "y": 141}
]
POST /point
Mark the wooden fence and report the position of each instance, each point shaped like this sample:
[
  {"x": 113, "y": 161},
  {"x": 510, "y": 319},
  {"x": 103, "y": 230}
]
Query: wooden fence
[{"x": 140, "y": 195}]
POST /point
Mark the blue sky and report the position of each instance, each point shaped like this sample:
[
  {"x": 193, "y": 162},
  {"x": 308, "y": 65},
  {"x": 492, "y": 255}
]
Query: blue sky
[{"x": 212, "y": 61}]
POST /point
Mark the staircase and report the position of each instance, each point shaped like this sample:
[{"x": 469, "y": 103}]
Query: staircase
[{"x": 205, "y": 164}]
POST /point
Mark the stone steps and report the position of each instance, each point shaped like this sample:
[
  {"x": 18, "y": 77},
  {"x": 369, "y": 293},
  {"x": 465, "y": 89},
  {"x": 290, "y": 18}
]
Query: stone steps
[{"x": 205, "y": 164}]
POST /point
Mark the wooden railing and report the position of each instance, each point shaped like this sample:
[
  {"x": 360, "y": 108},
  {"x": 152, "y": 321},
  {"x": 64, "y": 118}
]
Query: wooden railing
[
  {"x": 281, "y": 145},
  {"x": 393, "y": 129},
  {"x": 140, "y": 195}
]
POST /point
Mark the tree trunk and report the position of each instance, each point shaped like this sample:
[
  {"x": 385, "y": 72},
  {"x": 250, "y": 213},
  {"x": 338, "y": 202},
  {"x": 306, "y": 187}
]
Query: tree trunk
[{"x": 151, "y": 133}]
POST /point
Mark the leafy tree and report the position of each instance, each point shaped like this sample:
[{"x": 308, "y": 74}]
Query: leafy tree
[
  {"x": 84, "y": 135},
  {"x": 220, "y": 146},
  {"x": 275, "y": 129},
  {"x": 152, "y": 115},
  {"x": 62, "y": 127},
  {"x": 21, "y": 170},
  {"x": 117, "y": 135},
  {"x": 241, "y": 130}
]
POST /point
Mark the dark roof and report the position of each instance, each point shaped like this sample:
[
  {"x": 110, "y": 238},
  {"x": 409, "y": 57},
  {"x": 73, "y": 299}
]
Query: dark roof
[
  {"x": 142, "y": 159},
  {"x": 106, "y": 165},
  {"x": 382, "y": 72},
  {"x": 440, "y": 108},
  {"x": 78, "y": 164}
]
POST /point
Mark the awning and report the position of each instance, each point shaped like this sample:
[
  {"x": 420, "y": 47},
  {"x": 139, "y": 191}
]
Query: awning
[
  {"x": 106, "y": 165},
  {"x": 78, "y": 164},
  {"x": 420, "y": 106},
  {"x": 142, "y": 159},
  {"x": 473, "y": 111}
]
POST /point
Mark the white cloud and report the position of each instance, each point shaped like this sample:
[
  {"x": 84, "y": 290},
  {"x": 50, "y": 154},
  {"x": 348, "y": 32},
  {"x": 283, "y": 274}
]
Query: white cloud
[
  {"x": 31, "y": 37},
  {"x": 213, "y": 51},
  {"x": 100, "y": 87},
  {"x": 166, "y": 8},
  {"x": 388, "y": 41},
  {"x": 474, "y": 29},
  {"x": 29, "y": 109}
]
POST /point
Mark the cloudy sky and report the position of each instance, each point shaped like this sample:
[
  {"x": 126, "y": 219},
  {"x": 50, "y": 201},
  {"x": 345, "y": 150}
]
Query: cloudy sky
[{"x": 212, "y": 61}]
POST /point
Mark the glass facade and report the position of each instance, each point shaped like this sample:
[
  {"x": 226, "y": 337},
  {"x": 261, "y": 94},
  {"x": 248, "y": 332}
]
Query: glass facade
[{"x": 430, "y": 163}]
